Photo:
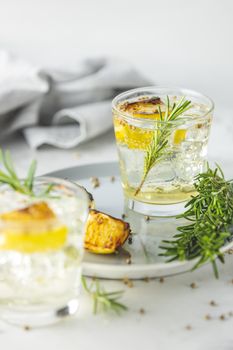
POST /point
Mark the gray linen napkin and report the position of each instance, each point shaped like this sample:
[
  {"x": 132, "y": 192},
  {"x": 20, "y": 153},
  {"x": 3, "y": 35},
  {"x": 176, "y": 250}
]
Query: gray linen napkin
[{"x": 61, "y": 108}]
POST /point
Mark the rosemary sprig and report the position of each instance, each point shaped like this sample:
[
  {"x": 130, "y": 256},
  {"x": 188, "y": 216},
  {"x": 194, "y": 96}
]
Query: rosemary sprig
[
  {"x": 9, "y": 176},
  {"x": 107, "y": 301},
  {"x": 210, "y": 214},
  {"x": 163, "y": 129}
]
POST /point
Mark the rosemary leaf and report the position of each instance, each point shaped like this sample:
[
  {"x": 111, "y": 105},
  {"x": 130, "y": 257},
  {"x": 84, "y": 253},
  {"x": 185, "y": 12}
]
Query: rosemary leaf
[
  {"x": 9, "y": 165},
  {"x": 30, "y": 177}
]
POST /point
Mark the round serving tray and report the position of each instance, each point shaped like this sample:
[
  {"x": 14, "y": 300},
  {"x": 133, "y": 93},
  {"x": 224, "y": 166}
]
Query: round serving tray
[{"x": 147, "y": 234}]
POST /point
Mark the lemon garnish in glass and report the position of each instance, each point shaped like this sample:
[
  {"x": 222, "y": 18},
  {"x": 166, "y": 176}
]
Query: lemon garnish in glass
[
  {"x": 136, "y": 137},
  {"x": 32, "y": 229}
]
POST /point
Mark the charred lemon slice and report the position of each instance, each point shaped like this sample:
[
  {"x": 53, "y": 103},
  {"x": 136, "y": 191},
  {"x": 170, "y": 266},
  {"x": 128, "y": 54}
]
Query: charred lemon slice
[
  {"x": 32, "y": 229},
  {"x": 144, "y": 108},
  {"x": 132, "y": 136},
  {"x": 104, "y": 233}
]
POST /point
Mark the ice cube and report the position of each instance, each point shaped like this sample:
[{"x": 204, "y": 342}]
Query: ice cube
[
  {"x": 162, "y": 172},
  {"x": 198, "y": 132}
]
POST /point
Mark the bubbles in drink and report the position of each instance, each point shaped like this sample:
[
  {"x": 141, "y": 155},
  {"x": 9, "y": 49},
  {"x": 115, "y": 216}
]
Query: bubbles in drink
[{"x": 138, "y": 124}]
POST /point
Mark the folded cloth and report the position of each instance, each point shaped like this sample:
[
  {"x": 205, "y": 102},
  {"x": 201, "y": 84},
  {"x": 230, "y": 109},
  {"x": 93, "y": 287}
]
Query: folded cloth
[{"x": 61, "y": 108}]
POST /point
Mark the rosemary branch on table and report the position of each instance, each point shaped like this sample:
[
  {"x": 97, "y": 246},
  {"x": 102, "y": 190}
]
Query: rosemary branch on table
[
  {"x": 163, "y": 129},
  {"x": 210, "y": 214},
  {"x": 107, "y": 301}
]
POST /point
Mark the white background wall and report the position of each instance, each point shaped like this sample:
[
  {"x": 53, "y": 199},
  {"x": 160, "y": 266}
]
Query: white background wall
[{"x": 180, "y": 42}]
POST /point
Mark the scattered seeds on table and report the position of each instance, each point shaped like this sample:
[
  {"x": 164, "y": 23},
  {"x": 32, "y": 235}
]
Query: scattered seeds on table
[
  {"x": 142, "y": 311},
  {"x": 208, "y": 317},
  {"x": 147, "y": 218},
  {"x": 193, "y": 285},
  {"x": 222, "y": 317},
  {"x": 188, "y": 327},
  {"x": 161, "y": 280},
  {"x": 112, "y": 178},
  {"x": 213, "y": 303},
  {"x": 128, "y": 260},
  {"x": 123, "y": 216},
  {"x": 146, "y": 279},
  {"x": 95, "y": 182},
  {"x": 27, "y": 328},
  {"x": 128, "y": 282}
]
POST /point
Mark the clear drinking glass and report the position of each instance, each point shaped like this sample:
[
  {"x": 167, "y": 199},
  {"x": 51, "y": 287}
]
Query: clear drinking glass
[
  {"x": 138, "y": 127},
  {"x": 41, "y": 251}
]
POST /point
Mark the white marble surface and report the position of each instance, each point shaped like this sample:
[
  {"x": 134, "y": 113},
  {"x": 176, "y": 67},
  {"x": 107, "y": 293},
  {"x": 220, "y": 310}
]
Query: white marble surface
[{"x": 170, "y": 307}]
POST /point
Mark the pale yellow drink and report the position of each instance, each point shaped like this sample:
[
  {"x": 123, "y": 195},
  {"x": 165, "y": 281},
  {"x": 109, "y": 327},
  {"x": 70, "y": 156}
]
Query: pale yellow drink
[{"x": 136, "y": 121}]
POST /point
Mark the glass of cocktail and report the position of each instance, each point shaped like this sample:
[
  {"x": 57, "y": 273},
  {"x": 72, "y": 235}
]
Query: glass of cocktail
[
  {"x": 41, "y": 250},
  {"x": 162, "y": 136}
]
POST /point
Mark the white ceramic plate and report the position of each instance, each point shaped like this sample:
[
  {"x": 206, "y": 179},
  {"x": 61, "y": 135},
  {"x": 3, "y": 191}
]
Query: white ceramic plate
[{"x": 144, "y": 250}]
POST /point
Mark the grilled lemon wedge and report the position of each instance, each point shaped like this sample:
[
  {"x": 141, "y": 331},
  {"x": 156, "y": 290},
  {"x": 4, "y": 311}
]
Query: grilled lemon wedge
[
  {"x": 32, "y": 229},
  {"x": 104, "y": 233}
]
